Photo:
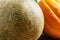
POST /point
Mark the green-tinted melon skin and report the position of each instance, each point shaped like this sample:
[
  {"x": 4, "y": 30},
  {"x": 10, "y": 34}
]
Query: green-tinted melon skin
[{"x": 20, "y": 20}]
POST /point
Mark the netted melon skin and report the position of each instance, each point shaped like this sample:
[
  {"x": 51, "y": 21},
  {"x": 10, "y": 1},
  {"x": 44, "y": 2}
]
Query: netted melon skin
[{"x": 20, "y": 20}]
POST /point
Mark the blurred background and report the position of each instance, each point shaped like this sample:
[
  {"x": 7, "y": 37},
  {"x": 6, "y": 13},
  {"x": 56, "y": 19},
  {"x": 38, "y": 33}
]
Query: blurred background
[{"x": 45, "y": 37}]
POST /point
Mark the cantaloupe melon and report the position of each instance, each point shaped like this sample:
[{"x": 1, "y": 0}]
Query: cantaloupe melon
[{"x": 20, "y": 20}]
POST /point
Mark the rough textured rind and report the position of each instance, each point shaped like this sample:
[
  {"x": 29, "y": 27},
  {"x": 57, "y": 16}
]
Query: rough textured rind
[{"x": 20, "y": 20}]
